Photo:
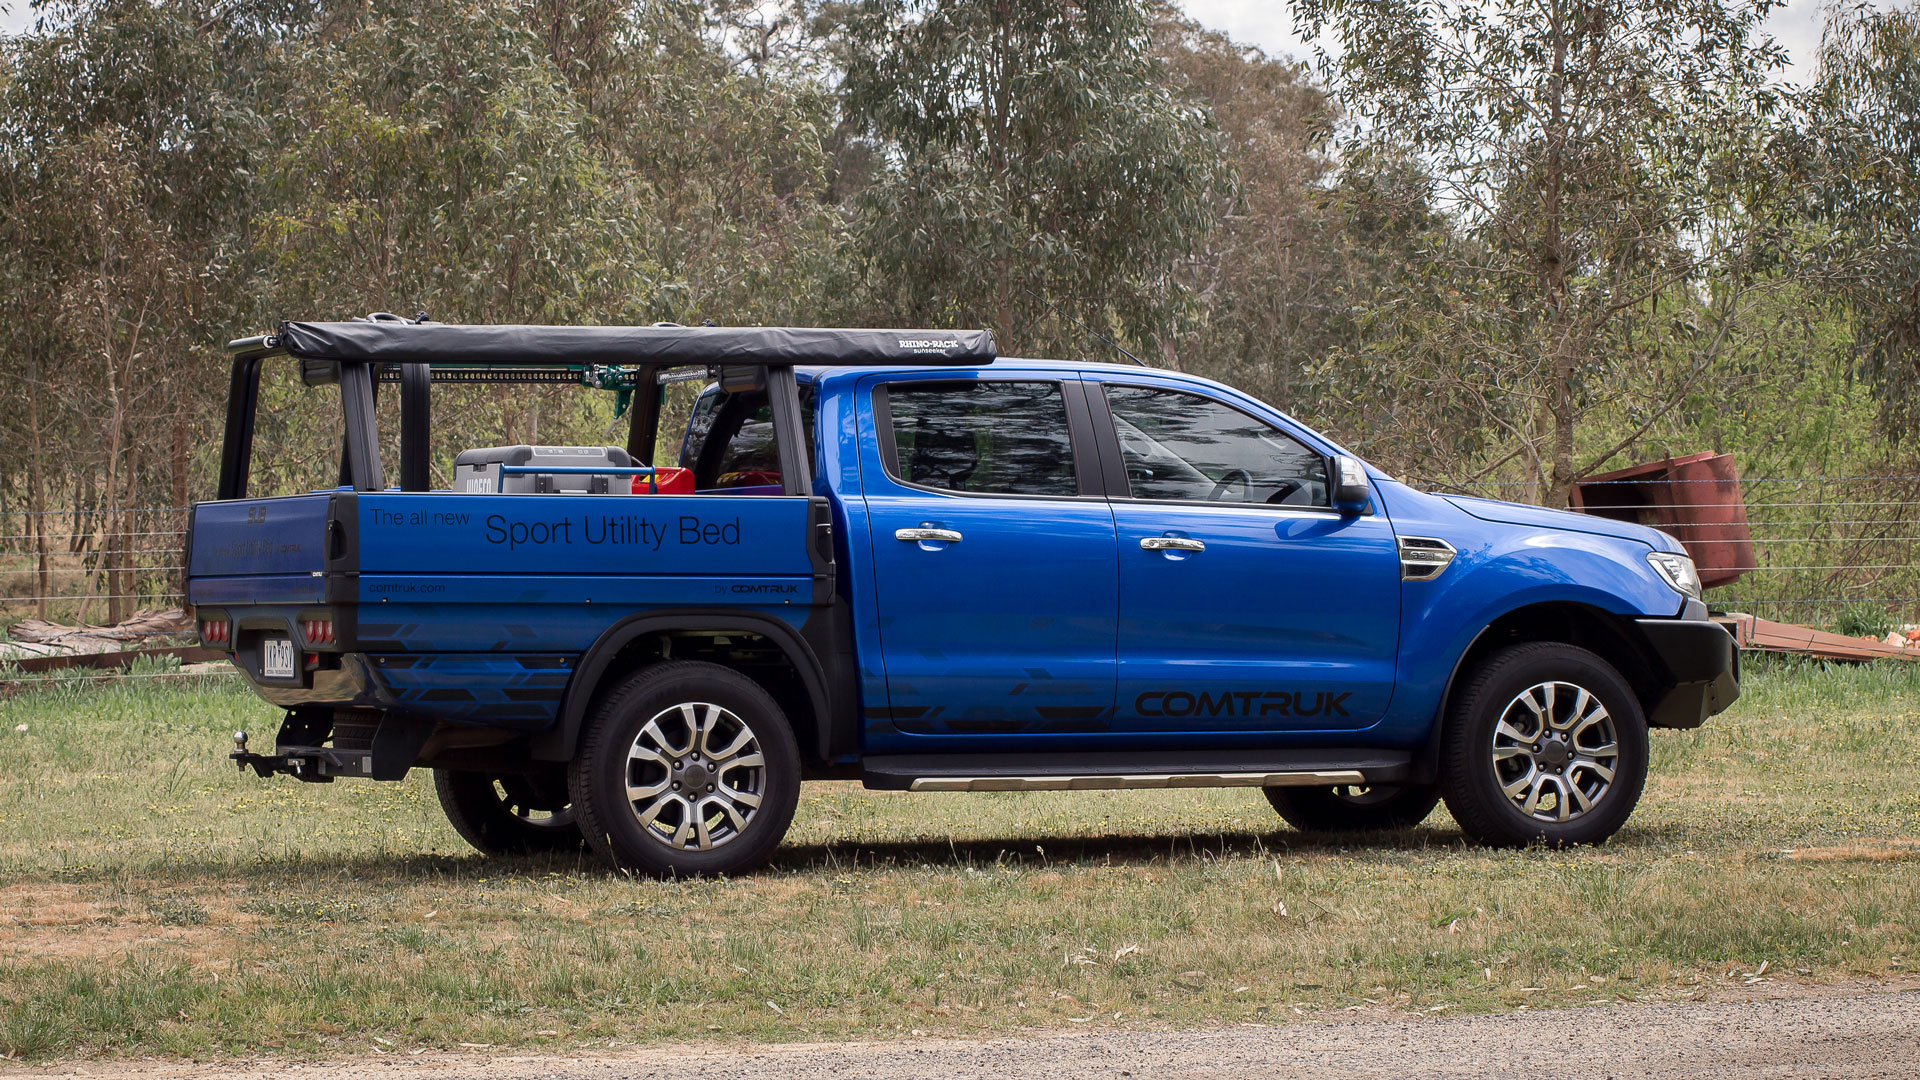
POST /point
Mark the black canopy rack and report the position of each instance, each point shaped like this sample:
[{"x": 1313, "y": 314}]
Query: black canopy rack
[{"x": 359, "y": 355}]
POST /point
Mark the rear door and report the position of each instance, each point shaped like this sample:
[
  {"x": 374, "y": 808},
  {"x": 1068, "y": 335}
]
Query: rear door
[
  {"x": 993, "y": 557},
  {"x": 1247, "y": 604}
]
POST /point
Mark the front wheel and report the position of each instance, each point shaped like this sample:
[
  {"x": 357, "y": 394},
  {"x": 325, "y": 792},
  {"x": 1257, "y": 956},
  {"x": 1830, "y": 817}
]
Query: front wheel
[
  {"x": 1354, "y": 807},
  {"x": 1546, "y": 744},
  {"x": 686, "y": 769}
]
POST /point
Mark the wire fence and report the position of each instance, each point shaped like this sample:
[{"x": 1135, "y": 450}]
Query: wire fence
[
  {"x": 92, "y": 565},
  {"x": 1839, "y": 552}
]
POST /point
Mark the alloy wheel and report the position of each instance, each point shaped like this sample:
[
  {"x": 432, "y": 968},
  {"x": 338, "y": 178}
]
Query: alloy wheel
[
  {"x": 1555, "y": 751},
  {"x": 695, "y": 776}
]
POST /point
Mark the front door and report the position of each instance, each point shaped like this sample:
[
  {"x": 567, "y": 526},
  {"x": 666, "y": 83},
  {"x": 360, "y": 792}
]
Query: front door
[
  {"x": 1247, "y": 604},
  {"x": 993, "y": 557}
]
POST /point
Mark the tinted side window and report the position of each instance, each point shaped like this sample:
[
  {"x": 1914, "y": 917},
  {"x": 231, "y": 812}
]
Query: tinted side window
[
  {"x": 1185, "y": 447},
  {"x": 730, "y": 440},
  {"x": 989, "y": 438}
]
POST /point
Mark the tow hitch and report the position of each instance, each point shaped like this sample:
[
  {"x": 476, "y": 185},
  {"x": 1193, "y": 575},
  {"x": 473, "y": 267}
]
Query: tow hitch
[{"x": 313, "y": 764}]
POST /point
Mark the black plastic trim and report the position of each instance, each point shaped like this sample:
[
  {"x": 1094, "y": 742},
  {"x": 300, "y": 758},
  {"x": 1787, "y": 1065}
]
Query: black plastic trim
[
  {"x": 557, "y": 744},
  {"x": 820, "y": 550},
  {"x": 1086, "y": 452},
  {"x": 1703, "y": 664}
]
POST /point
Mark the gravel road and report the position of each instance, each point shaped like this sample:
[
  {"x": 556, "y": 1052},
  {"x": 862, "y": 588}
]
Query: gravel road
[{"x": 1838, "y": 1035}]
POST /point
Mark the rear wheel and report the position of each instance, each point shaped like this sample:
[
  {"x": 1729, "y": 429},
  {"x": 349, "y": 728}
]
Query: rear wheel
[
  {"x": 509, "y": 813},
  {"x": 1355, "y": 807},
  {"x": 1546, "y": 744},
  {"x": 686, "y": 769}
]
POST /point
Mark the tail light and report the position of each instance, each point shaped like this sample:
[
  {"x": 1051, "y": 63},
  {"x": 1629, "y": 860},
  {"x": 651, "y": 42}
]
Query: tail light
[
  {"x": 317, "y": 631},
  {"x": 215, "y": 631}
]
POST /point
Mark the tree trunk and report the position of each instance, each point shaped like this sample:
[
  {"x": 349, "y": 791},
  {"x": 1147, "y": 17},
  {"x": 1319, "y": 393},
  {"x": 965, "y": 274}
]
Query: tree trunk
[
  {"x": 37, "y": 482},
  {"x": 182, "y": 458},
  {"x": 1560, "y": 336}
]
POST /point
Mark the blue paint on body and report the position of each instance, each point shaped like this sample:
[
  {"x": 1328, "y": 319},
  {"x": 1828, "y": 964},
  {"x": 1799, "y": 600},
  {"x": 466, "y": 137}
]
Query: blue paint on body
[{"x": 1047, "y": 628}]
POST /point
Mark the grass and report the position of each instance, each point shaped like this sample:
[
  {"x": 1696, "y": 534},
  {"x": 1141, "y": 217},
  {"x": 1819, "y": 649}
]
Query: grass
[{"x": 154, "y": 901}]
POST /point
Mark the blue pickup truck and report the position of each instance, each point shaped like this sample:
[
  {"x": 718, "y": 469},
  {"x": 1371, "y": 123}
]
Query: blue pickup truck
[{"x": 894, "y": 557}]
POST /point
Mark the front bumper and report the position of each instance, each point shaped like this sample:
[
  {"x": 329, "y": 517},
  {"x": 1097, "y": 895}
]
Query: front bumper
[{"x": 1703, "y": 667}]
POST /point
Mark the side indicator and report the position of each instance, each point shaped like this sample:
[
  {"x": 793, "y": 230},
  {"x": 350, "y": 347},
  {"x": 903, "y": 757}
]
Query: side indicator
[{"x": 1422, "y": 558}]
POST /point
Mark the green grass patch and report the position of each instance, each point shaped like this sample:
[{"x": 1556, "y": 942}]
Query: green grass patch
[{"x": 153, "y": 900}]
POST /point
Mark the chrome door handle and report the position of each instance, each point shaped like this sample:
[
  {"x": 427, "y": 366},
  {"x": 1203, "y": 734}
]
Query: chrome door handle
[
  {"x": 951, "y": 536},
  {"x": 1171, "y": 543}
]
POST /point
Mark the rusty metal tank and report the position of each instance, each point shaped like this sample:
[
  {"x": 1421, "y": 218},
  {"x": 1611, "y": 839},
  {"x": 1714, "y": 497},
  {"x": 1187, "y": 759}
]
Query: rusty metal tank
[{"x": 1696, "y": 499}]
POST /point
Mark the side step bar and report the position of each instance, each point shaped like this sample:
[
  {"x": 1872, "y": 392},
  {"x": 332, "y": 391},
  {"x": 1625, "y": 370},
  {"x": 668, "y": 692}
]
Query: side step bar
[
  {"x": 1099, "y": 782},
  {"x": 1106, "y": 771}
]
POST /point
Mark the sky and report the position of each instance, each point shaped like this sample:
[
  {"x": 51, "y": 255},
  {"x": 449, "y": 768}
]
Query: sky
[{"x": 1269, "y": 24}]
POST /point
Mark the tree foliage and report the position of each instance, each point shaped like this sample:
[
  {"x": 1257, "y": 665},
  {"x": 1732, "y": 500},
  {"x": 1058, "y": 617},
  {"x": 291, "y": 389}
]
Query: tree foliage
[
  {"x": 1267, "y": 282},
  {"x": 1040, "y": 174},
  {"x": 1589, "y": 158},
  {"x": 1864, "y": 111},
  {"x": 1511, "y": 240}
]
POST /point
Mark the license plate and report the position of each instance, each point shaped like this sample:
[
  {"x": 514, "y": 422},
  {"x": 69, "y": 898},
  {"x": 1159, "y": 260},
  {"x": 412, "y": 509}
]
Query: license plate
[{"x": 276, "y": 658}]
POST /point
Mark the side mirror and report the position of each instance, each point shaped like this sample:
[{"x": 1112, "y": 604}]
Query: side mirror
[{"x": 1352, "y": 494}]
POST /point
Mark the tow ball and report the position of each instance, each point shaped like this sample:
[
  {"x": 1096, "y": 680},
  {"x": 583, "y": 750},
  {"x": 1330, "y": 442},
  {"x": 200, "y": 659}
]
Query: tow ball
[{"x": 297, "y": 766}]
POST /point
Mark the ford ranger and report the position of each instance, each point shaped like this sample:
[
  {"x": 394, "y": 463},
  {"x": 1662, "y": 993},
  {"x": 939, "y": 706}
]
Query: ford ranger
[{"x": 895, "y": 557}]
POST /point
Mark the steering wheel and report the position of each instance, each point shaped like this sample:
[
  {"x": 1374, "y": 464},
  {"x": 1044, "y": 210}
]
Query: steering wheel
[
  {"x": 1284, "y": 491},
  {"x": 1226, "y": 482}
]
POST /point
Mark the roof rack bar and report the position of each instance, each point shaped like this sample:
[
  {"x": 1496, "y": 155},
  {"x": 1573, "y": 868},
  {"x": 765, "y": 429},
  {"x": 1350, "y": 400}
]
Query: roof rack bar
[
  {"x": 643, "y": 425},
  {"x": 789, "y": 436},
  {"x": 548, "y": 346},
  {"x": 236, "y": 449},
  {"x": 362, "y": 450},
  {"x": 416, "y": 427}
]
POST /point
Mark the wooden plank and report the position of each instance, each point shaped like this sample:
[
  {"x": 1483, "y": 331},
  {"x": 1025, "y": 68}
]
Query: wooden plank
[
  {"x": 188, "y": 654},
  {"x": 1765, "y": 635}
]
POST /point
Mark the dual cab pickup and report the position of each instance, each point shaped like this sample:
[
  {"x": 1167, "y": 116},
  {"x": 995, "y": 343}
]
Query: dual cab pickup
[{"x": 909, "y": 562}]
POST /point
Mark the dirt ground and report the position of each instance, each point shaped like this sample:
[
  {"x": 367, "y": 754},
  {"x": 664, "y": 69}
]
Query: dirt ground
[{"x": 1843, "y": 1033}]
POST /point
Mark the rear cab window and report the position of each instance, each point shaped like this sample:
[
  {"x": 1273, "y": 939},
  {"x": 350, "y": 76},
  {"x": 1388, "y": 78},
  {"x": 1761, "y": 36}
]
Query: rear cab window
[
  {"x": 730, "y": 446},
  {"x": 979, "y": 437}
]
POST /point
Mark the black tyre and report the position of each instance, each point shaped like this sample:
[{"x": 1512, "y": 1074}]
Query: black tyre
[
  {"x": 686, "y": 769},
  {"x": 1545, "y": 744},
  {"x": 1355, "y": 807},
  {"x": 509, "y": 813}
]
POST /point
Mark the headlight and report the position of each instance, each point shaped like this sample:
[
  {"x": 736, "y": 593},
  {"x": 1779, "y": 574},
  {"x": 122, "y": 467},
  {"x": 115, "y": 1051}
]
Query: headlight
[{"x": 1677, "y": 571}]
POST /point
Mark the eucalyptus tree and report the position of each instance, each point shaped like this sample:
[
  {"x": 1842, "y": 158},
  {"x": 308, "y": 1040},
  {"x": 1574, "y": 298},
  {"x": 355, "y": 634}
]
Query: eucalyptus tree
[
  {"x": 126, "y": 141},
  {"x": 1600, "y": 163},
  {"x": 1038, "y": 170},
  {"x": 1865, "y": 113},
  {"x": 720, "y": 112},
  {"x": 1282, "y": 283},
  {"x": 431, "y": 157}
]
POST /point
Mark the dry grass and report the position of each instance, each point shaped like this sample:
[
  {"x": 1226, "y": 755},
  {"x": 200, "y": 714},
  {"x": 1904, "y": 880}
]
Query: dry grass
[{"x": 154, "y": 901}]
